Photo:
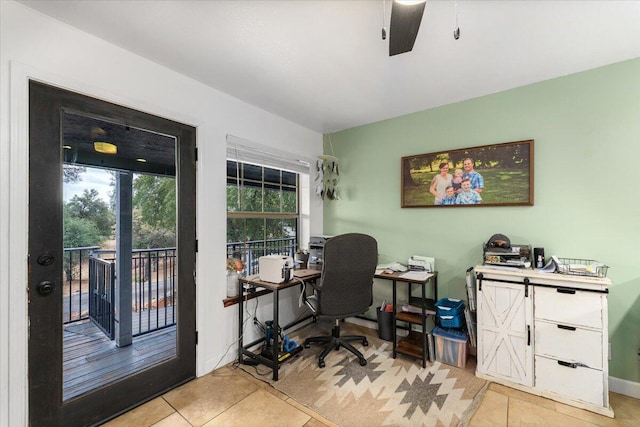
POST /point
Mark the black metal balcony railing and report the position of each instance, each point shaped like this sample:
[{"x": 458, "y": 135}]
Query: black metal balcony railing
[
  {"x": 102, "y": 287},
  {"x": 153, "y": 282},
  {"x": 153, "y": 287},
  {"x": 75, "y": 293},
  {"x": 251, "y": 251}
]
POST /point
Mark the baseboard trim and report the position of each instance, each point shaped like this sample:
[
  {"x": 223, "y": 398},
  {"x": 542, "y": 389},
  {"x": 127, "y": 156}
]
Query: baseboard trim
[
  {"x": 363, "y": 322},
  {"x": 626, "y": 387}
]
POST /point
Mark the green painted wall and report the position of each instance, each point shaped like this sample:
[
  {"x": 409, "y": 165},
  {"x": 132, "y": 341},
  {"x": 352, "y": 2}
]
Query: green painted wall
[{"x": 586, "y": 128}]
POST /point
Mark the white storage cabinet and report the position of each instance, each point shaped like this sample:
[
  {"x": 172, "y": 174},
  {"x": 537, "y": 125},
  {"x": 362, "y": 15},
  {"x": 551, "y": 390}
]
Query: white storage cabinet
[{"x": 546, "y": 334}]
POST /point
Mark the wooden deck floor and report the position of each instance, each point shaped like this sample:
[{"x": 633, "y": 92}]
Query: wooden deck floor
[{"x": 91, "y": 360}]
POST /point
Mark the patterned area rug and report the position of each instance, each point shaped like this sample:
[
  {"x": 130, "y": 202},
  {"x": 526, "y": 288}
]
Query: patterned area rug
[{"x": 385, "y": 392}]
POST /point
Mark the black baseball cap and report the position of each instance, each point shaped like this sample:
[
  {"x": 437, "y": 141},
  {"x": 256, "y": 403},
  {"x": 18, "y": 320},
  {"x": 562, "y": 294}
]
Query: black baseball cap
[{"x": 499, "y": 242}]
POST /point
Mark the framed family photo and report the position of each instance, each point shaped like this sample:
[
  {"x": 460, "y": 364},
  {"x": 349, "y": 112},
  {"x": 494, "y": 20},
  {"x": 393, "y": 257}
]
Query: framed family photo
[{"x": 489, "y": 175}]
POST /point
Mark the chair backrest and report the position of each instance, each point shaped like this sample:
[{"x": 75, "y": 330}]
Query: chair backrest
[{"x": 348, "y": 266}]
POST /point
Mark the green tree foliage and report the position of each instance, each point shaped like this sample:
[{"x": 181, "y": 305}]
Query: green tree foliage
[
  {"x": 112, "y": 192},
  {"x": 146, "y": 236},
  {"x": 251, "y": 229},
  {"x": 263, "y": 196},
  {"x": 289, "y": 201},
  {"x": 252, "y": 188},
  {"x": 154, "y": 218},
  {"x": 251, "y": 199},
  {"x": 71, "y": 173},
  {"x": 87, "y": 221},
  {"x": 91, "y": 207},
  {"x": 155, "y": 199},
  {"x": 233, "y": 199},
  {"x": 80, "y": 232}
]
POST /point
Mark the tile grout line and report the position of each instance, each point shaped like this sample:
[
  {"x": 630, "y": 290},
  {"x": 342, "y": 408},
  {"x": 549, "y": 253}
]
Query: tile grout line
[
  {"x": 508, "y": 402},
  {"x": 175, "y": 410}
]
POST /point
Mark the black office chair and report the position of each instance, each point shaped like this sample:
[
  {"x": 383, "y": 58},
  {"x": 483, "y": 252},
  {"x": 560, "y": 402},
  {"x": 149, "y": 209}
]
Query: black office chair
[{"x": 345, "y": 288}]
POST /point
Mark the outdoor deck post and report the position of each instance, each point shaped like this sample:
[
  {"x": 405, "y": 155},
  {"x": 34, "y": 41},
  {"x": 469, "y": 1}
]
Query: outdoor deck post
[{"x": 124, "y": 244}]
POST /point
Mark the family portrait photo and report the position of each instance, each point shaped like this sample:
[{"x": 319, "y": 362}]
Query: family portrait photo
[{"x": 490, "y": 175}]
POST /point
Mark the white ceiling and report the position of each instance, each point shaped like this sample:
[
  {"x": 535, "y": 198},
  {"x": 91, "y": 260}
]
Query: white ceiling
[{"x": 324, "y": 65}]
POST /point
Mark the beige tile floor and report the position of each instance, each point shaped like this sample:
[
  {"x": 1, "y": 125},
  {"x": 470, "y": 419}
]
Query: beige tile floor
[{"x": 231, "y": 397}]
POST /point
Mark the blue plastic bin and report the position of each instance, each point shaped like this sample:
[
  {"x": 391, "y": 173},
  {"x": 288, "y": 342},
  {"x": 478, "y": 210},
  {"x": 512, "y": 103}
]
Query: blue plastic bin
[
  {"x": 452, "y": 321},
  {"x": 449, "y": 307},
  {"x": 450, "y": 312}
]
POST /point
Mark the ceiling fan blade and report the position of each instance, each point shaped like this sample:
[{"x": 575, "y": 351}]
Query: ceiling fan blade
[{"x": 404, "y": 26}]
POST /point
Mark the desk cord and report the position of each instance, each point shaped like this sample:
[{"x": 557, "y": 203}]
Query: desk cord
[{"x": 244, "y": 324}]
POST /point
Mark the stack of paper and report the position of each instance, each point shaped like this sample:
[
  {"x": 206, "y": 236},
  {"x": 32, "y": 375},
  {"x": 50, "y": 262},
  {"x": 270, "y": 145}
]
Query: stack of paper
[{"x": 416, "y": 275}]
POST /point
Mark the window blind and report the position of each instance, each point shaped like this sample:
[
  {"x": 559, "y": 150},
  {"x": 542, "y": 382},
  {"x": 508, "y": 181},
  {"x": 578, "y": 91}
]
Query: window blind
[{"x": 245, "y": 151}]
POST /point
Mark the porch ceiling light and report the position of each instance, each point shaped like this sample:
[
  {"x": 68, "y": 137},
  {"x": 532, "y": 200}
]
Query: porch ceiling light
[{"x": 105, "y": 147}]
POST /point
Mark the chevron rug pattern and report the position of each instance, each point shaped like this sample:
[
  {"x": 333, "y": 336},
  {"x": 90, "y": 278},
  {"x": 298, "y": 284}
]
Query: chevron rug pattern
[{"x": 385, "y": 392}]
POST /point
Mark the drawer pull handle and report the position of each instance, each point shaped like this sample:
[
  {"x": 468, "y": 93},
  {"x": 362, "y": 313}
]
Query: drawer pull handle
[
  {"x": 566, "y": 291},
  {"x": 568, "y": 328},
  {"x": 567, "y": 364}
]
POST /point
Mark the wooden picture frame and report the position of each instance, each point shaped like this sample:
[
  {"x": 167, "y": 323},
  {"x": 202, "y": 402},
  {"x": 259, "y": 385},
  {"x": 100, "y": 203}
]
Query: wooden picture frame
[{"x": 505, "y": 177}]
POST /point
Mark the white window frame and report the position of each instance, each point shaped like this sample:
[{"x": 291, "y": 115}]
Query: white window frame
[{"x": 245, "y": 151}]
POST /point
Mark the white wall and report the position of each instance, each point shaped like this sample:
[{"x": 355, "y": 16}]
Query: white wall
[{"x": 35, "y": 46}]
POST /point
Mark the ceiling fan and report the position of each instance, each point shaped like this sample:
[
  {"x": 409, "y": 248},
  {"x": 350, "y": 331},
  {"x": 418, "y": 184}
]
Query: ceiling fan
[{"x": 405, "y": 22}]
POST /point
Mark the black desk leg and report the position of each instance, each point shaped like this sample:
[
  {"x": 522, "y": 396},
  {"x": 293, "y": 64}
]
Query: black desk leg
[
  {"x": 240, "y": 326},
  {"x": 435, "y": 287},
  {"x": 275, "y": 334},
  {"x": 393, "y": 326},
  {"x": 424, "y": 327}
]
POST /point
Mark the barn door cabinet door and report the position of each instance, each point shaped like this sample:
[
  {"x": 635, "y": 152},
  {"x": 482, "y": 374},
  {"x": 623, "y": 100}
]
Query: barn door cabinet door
[{"x": 505, "y": 320}]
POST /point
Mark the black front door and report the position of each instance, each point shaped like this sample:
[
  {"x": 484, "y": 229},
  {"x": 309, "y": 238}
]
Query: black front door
[{"x": 56, "y": 138}]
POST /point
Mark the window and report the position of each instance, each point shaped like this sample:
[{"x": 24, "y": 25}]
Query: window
[{"x": 263, "y": 206}]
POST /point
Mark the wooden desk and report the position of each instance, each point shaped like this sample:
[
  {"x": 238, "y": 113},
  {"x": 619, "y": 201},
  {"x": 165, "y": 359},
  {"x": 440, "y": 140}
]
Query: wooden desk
[
  {"x": 408, "y": 346},
  {"x": 299, "y": 276}
]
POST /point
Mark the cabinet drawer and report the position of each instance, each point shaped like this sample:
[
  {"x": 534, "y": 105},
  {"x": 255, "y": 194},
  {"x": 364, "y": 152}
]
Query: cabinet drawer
[
  {"x": 578, "y": 383},
  {"x": 569, "y": 343},
  {"x": 569, "y": 306}
]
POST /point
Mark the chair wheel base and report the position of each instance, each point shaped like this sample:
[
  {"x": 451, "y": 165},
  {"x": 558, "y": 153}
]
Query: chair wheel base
[{"x": 335, "y": 342}]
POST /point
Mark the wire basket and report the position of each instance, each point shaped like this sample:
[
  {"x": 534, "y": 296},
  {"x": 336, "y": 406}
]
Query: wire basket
[{"x": 582, "y": 267}]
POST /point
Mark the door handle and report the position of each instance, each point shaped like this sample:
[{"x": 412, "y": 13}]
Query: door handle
[{"x": 45, "y": 287}]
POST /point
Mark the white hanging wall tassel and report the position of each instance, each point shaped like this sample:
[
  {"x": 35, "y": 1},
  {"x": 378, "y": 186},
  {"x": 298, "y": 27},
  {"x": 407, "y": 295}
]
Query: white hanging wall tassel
[{"x": 327, "y": 177}]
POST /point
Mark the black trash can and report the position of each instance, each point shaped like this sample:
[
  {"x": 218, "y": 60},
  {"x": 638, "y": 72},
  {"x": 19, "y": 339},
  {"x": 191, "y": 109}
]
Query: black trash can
[{"x": 385, "y": 324}]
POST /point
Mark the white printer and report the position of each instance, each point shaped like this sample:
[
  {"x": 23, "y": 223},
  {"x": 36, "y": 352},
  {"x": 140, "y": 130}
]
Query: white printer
[
  {"x": 275, "y": 268},
  {"x": 316, "y": 247}
]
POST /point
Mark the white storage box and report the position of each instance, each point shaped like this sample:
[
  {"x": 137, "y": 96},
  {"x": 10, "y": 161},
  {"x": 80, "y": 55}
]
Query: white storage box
[{"x": 451, "y": 346}]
